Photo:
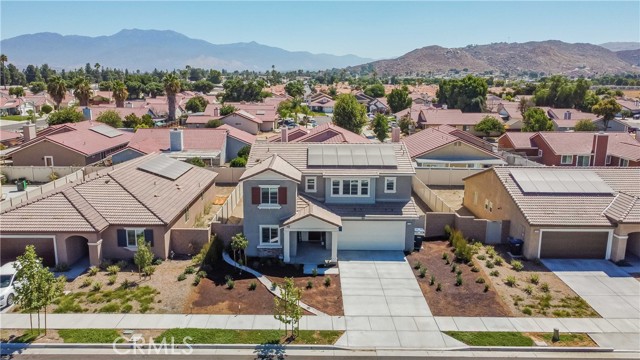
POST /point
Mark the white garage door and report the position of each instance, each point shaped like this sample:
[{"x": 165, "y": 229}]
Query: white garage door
[{"x": 372, "y": 235}]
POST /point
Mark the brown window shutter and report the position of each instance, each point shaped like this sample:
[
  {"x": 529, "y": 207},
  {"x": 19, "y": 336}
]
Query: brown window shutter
[
  {"x": 282, "y": 195},
  {"x": 255, "y": 195}
]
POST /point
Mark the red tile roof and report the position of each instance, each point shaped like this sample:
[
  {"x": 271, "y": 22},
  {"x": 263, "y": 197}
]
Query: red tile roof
[
  {"x": 325, "y": 133},
  {"x": 238, "y": 134},
  {"x": 152, "y": 140},
  {"x": 9, "y": 135}
]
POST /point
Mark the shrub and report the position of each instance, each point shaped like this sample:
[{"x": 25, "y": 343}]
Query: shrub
[
  {"x": 528, "y": 289},
  {"x": 182, "y": 277},
  {"x": 126, "y": 308},
  {"x": 112, "y": 279},
  {"x": 157, "y": 261},
  {"x": 481, "y": 257},
  {"x": 417, "y": 265},
  {"x": 486, "y": 287},
  {"x": 122, "y": 264},
  {"x": 454, "y": 267},
  {"x": 126, "y": 284},
  {"x": 511, "y": 281},
  {"x": 189, "y": 270},
  {"x": 309, "y": 284},
  {"x": 314, "y": 272},
  {"x": 96, "y": 286},
  {"x": 458, "y": 272},
  {"x": 86, "y": 282},
  {"x": 439, "y": 287},
  {"x": 327, "y": 281},
  {"x": 498, "y": 260},
  {"x": 196, "y": 281},
  {"x": 447, "y": 230},
  {"x": 495, "y": 273},
  {"x": 202, "y": 273},
  {"x": 447, "y": 262},
  {"x": 253, "y": 285},
  {"x": 104, "y": 264},
  {"x": 238, "y": 162},
  {"x": 230, "y": 284},
  {"x": 113, "y": 269},
  {"x": 445, "y": 256},
  {"x": 423, "y": 272},
  {"x": 489, "y": 264},
  {"x": 61, "y": 267},
  {"x": 527, "y": 311},
  {"x": 545, "y": 287},
  {"x": 517, "y": 265},
  {"x": 93, "y": 271},
  {"x": 480, "y": 280},
  {"x": 432, "y": 280},
  {"x": 474, "y": 269},
  {"x": 148, "y": 270},
  {"x": 458, "y": 280},
  {"x": 534, "y": 279}
]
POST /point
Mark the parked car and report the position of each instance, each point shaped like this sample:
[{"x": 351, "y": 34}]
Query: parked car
[{"x": 7, "y": 284}]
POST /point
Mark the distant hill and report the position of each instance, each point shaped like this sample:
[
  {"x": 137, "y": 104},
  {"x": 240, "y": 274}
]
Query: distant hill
[
  {"x": 149, "y": 49},
  {"x": 550, "y": 57},
  {"x": 621, "y": 46},
  {"x": 630, "y": 56}
]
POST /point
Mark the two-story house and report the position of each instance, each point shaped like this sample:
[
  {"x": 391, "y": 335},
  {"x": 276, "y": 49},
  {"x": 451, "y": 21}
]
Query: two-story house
[{"x": 322, "y": 198}]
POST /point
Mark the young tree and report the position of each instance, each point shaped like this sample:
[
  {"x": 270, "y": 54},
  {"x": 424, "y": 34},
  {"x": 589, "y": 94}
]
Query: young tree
[
  {"x": 375, "y": 90},
  {"x": 399, "y": 99},
  {"x": 380, "y": 127},
  {"x": 294, "y": 88},
  {"x": 405, "y": 123},
  {"x": 171, "y": 87},
  {"x": 143, "y": 258},
  {"x": 607, "y": 108},
  {"x": 585, "y": 125},
  {"x": 287, "y": 307},
  {"x": 28, "y": 272},
  {"x": 524, "y": 104},
  {"x": 489, "y": 125},
  {"x": 111, "y": 118},
  {"x": 66, "y": 115},
  {"x": 57, "y": 89},
  {"x": 50, "y": 288},
  {"x": 196, "y": 104},
  {"x": 120, "y": 92},
  {"x": 239, "y": 243},
  {"x": 535, "y": 119},
  {"x": 348, "y": 113}
]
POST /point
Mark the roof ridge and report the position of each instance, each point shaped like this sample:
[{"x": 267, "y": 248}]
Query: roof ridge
[{"x": 76, "y": 192}]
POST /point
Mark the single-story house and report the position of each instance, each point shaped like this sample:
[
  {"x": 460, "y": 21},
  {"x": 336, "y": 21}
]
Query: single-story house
[
  {"x": 566, "y": 120},
  {"x": 325, "y": 133},
  {"x": 321, "y": 103},
  {"x": 236, "y": 140},
  {"x": 105, "y": 215},
  {"x": 10, "y": 139},
  {"x": 372, "y": 104}
]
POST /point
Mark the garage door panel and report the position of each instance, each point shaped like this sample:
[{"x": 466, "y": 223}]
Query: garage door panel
[
  {"x": 574, "y": 245},
  {"x": 372, "y": 235},
  {"x": 11, "y": 248}
]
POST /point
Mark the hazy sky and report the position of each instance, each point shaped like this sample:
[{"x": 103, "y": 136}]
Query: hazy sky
[{"x": 371, "y": 29}]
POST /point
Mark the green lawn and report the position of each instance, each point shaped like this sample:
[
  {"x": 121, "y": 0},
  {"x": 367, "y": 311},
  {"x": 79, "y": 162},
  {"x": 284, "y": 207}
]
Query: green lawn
[
  {"x": 27, "y": 337},
  {"x": 119, "y": 300},
  {"x": 491, "y": 338},
  {"x": 89, "y": 336},
  {"x": 571, "y": 339},
  {"x": 220, "y": 336},
  {"x": 15, "y": 117}
]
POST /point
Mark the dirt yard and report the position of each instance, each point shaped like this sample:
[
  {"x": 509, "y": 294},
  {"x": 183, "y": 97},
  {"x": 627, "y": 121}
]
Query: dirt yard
[
  {"x": 536, "y": 290},
  {"x": 451, "y": 195},
  {"x": 468, "y": 299}
]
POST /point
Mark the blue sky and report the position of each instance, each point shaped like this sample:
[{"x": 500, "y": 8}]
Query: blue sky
[{"x": 377, "y": 29}]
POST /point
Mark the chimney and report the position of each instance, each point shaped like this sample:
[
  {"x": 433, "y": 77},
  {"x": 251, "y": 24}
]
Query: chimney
[
  {"x": 599, "y": 149},
  {"x": 87, "y": 114},
  {"x": 567, "y": 115},
  {"x": 216, "y": 112},
  {"x": 284, "y": 134},
  {"x": 176, "y": 140},
  {"x": 128, "y": 105},
  {"x": 395, "y": 134},
  {"x": 28, "y": 132}
]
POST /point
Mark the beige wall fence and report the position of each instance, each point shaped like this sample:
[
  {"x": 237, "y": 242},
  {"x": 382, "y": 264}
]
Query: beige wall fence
[
  {"x": 489, "y": 232},
  {"x": 227, "y": 175},
  {"x": 517, "y": 160},
  {"x": 189, "y": 241},
  {"x": 431, "y": 199},
  {"x": 444, "y": 176},
  {"x": 37, "y": 191},
  {"x": 225, "y": 232},
  {"x": 37, "y": 174},
  {"x": 223, "y": 214}
]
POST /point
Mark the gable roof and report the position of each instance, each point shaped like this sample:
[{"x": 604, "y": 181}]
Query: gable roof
[
  {"x": 151, "y": 140},
  {"x": 433, "y": 138},
  {"x": 9, "y": 135},
  {"x": 305, "y": 207},
  {"x": 245, "y": 115},
  {"x": 276, "y": 164},
  {"x": 331, "y": 133},
  {"x": 624, "y": 208},
  {"x": 292, "y": 134},
  {"x": 238, "y": 134},
  {"x": 519, "y": 140}
]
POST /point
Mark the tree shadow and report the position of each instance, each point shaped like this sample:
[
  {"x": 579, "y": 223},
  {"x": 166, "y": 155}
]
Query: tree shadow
[{"x": 270, "y": 350}]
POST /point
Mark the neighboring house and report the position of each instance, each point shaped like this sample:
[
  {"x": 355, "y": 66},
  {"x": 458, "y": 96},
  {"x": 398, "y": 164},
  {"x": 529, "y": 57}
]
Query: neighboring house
[
  {"x": 38, "y": 100},
  {"x": 566, "y": 120},
  {"x": 574, "y": 148},
  {"x": 372, "y": 104},
  {"x": 322, "y": 103},
  {"x": 303, "y": 198},
  {"x": 632, "y": 106},
  {"x": 244, "y": 121},
  {"x": 447, "y": 147},
  {"x": 325, "y": 133},
  {"x": 105, "y": 215},
  {"x": 510, "y": 114},
  {"x": 562, "y": 212},
  {"x": 10, "y": 139},
  {"x": 455, "y": 118},
  {"x": 93, "y": 112},
  {"x": 10, "y": 105},
  {"x": 200, "y": 120},
  {"x": 236, "y": 140},
  {"x": 75, "y": 144},
  {"x": 181, "y": 144},
  {"x": 413, "y": 111}
]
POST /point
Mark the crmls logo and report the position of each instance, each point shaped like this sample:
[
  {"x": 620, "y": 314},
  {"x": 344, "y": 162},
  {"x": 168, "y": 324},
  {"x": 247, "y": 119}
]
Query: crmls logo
[{"x": 139, "y": 347}]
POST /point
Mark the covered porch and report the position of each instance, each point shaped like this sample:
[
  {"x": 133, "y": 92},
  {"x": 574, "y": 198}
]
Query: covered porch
[{"x": 311, "y": 248}]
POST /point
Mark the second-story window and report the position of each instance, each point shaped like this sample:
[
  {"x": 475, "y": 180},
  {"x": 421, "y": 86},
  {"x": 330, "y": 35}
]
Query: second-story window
[
  {"x": 390, "y": 185},
  {"x": 269, "y": 195},
  {"x": 566, "y": 159},
  {"x": 310, "y": 184},
  {"x": 349, "y": 187}
]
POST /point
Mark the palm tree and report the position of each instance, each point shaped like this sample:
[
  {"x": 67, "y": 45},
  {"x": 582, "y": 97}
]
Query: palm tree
[
  {"x": 3, "y": 59},
  {"x": 82, "y": 91},
  {"x": 57, "y": 88},
  {"x": 171, "y": 87},
  {"x": 120, "y": 92}
]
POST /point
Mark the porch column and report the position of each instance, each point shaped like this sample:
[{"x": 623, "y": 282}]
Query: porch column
[
  {"x": 618, "y": 247},
  {"x": 287, "y": 246},
  {"x": 95, "y": 252},
  {"x": 334, "y": 246}
]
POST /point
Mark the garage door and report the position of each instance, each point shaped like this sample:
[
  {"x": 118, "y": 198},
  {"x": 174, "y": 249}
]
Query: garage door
[
  {"x": 11, "y": 248},
  {"x": 574, "y": 245},
  {"x": 372, "y": 235}
]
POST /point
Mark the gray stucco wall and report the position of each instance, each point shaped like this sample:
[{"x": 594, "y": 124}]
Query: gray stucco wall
[
  {"x": 125, "y": 155},
  {"x": 233, "y": 146},
  {"x": 323, "y": 193},
  {"x": 451, "y": 152}
]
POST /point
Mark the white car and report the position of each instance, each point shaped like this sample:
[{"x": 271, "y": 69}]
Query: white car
[{"x": 7, "y": 284}]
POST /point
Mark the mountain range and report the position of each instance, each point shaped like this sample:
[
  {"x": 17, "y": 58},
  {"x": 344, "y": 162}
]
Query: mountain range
[
  {"x": 146, "y": 50},
  {"x": 550, "y": 57}
]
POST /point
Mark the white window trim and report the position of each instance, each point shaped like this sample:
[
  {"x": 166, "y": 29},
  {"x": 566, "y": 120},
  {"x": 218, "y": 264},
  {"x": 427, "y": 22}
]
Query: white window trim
[
  {"x": 562, "y": 162},
  {"x": 262, "y": 206},
  {"x": 387, "y": 191},
  {"x": 608, "y": 160},
  {"x": 48, "y": 157},
  {"x": 351, "y": 179},
  {"x": 582, "y": 156},
  {"x": 623, "y": 161},
  {"x": 540, "y": 152},
  {"x": 130, "y": 247},
  {"x": 315, "y": 184},
  {"x": 269, "y": 245}
]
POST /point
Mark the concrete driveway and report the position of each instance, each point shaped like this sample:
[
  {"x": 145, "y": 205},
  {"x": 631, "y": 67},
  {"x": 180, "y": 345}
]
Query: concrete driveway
[{"x": 609, "y": 289}]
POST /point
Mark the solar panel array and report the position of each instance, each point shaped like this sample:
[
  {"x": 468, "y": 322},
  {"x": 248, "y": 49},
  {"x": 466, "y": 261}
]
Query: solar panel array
[
  {"x": 165, "y": 167},
  {"x": 351, "y": 156},
  {"x": 107, "y": 131},
  {"x": 554, "y": 181}
]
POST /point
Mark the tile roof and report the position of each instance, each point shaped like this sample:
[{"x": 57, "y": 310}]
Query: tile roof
[
  {"x": 466, "y": 137},
  {"x": 330, "y": 133},
  {"x": 558, "y": 114},
  {"x": 123, "y": 195},
  {"x": 238, "y": 134},
  {"x": 245, "y": 115},
  {"x": 276, "y": 164},
  {"x": 520, "y": 140},
  {"x": 378, "y": 210},
  {"x": 264, "y": 111},
  {"x": 296, "y": 155},
  {"x": 122, "y": 111},
  {"x": 292, "y": 134},
  {"x": 9, "y": 135},
  {"x": 453, "y": 117},
  {"x": 200, "y": 118},
  {"x": 560, "y": 209},
  {"x": 621, "y": 145},
  {"x": 624, "y": 208},
  {"x": 433, "y": 138},
  {"x": 151, "y": 140},
  {"x": 306, "y": 207}
]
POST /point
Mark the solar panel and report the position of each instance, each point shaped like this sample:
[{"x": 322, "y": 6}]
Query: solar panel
[
  {"x": 165, "y": 166},
  {"x": 107, "y": 131},
  {"x": 330, "y": 156},
  {"x": 359, "y": 156},
  {"x": 373, "y": 156},
  {"x": 351, "y": 155},
  {"x": 559, "y": 181},
  {"x": 314, "y": 156},
  {"x": 388, "y": 156},
  {"x": 344, "y": 156}
]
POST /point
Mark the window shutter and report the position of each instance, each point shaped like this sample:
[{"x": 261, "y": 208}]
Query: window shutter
[
  {"x": 282, "y": 195},
  {"x": 255, "y": 195},
  {"x": 122, "y": 238},
  {"x": 148, "y": 236}
]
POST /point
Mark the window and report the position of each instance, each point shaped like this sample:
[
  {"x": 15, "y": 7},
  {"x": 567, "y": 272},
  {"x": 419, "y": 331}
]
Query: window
[
  {"x": 134, "y": 236},
  {"x": 311, "y": 184},
  {"x": 269, "y": 235},
  {"x": 624, "y": 162},
  {"x": 269, "y": 195},
  {"x": 48, "y": 161},
  {"x": 566, "y": 159},
  {"x": 350, "y": 187},
  {"x": 390, "y": 185},
  {"x": 457, "y": 143},
  {"x": 539, "y": 152},
  {"x": 608, "y": 161},
  {"x": 583, "y": 160}
]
